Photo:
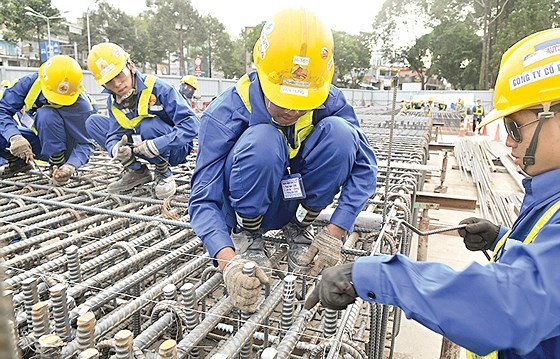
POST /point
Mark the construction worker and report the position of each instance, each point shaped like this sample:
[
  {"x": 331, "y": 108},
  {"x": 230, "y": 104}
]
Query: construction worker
[
  {"x": 478, "y": 114},
  {"x": 508, "y": 308},
  {"x": 274, "y": 151},
  {"x": 187, "y": 87},
  {"x": 53, "y": 122},
  {"x": 147, "y": 119}
]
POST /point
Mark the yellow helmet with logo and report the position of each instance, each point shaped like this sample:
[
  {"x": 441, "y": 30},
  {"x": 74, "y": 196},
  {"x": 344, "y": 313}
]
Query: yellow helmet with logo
[
  {"x": 61, "y": 80},
  {"x": 190, "y": 80},
  {"x": 5, "y": 83},
  {"x": 294, "y": 59},
  {"x": 528, "y": 75},
  {"x": 106, "y": 61}
]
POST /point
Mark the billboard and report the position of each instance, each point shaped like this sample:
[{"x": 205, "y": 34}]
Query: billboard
[{"x": 45, "y": 53}]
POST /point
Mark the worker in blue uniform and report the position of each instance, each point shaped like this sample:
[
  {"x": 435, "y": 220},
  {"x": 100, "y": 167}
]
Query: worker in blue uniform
[
  {"x": 274, "y": 151},
  {"x": 52, "y": 128},
  {"x": 147, "y": 119},
  {"x": 187, "y": 87},
  {"x": 510, "y": 307}
]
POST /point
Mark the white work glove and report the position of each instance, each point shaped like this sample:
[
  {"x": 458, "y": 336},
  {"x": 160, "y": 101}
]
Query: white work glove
[
  {"x": 244, "y": 291},
  {"x": 123, "y": 153},
  {"x": 21, "y": 148},
  {"x": 147, "y": 149},
  {"x": 327, "y": 249},
  {"x": 62, "y": 175}
]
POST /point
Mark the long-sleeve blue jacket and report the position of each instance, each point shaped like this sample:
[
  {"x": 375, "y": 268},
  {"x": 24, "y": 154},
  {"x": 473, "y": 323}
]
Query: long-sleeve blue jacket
[
  {"x": 72, "y": 122},
  {"x": 221, "y": 126},
  {"x": 512, "y": 306},
  {"x": 170, "y": 107}
]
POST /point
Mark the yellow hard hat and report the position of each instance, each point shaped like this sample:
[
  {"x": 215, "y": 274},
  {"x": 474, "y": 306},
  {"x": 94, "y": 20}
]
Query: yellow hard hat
[
  {"x": 61, "y": 80},
  {"x": 5, "y": 83},
  {"x": 106, "y": 61},
  {"x": 294, "y": 59},
  {"x": 528, "y": 75},
  {"x": 431, "y": 99},
  {"x": 190, "y": 80}
]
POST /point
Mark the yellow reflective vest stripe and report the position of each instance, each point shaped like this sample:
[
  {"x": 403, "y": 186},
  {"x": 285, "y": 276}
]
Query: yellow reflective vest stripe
[
  {"x": 528, "y": 240},
  {"x": 478, "y": 110},
  {"x": 143, "y": 106},
  {"x": 32, "y": 95},
  {"x": 303, "y": 126}
]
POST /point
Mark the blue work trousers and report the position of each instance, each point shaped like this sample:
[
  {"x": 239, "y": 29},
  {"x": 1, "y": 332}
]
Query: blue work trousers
[
  {"x": 259, "y": 160},
  {"x": 98, "y": 127}
]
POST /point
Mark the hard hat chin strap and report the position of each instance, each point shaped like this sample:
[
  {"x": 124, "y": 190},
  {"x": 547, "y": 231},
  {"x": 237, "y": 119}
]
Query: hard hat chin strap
[{"x": 529, "y": 158}]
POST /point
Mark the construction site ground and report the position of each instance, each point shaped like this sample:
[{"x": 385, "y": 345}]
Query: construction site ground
[{"x": 415, "y": 341}]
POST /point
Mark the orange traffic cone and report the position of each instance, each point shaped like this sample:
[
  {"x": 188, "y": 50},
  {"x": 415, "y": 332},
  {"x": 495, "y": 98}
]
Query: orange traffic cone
[
  {"x": 484, "y": 131},
  {"x": 461, "y": 131},
  {"x": 497, "y": 135}
]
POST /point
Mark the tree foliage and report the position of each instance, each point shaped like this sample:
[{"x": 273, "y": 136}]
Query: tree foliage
[{"x": 21, "y": 26}]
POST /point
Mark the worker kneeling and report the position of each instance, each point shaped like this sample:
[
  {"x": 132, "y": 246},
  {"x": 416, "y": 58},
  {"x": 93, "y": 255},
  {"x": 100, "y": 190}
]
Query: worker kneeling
[
  {"x": 53, "y": 110},
  {"x": 510, "y": 307},
  {"x": 273, "y": 152},
  {"x": 148, "y": 119}
]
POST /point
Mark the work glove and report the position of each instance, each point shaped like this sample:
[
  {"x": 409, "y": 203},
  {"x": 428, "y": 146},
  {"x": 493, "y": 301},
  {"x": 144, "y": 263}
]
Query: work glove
[
  {"x": 21, "y": 148},
  {"x": 147, "y": 149},
  {"x": 479, "y": 234},
  {"x": 244, "y": 290},
  {"x": 62, "y": 175},
  {"x": 327, "y": 249},
  {"x": 335, "y": 290},
  {"x": 123, "y": 152}
]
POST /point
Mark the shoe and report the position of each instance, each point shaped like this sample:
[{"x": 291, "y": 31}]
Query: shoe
[
  {"x": 299, "y": 239},
  {"x": 250, "y": 245},
  {"x": 164, "y": 187},
  {"x": 130, "y": 179},
  {"x": 13, "y": 168}
]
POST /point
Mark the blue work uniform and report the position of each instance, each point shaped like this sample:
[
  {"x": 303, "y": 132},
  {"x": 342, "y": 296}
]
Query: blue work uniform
[
  {"x": 511, "y": 306},
  {"x": 55, "y": 129},
  {"x": 170, "y": 123},
  {"x": 243, "y": 156}
]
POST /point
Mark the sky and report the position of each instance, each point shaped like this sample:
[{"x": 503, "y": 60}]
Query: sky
[{"x": 351, "y": 16}]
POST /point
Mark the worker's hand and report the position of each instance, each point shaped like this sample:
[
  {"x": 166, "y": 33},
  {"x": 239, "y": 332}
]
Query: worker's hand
[
  {"x": 21, "y": 148},
  {"x": 62, "y": 175},
  {"x": 123, "y": 152},
  {"x": 244, "y": 290},
  {"x": 335, "y": 290},
  {"x": 147, "y": 149},
  {"x": 479, "y": 234},
  {"x": 327, "y": 249}
]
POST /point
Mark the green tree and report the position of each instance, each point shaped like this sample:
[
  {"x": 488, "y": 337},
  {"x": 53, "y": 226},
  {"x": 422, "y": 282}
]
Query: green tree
[
  {"x": 417, "y": 56},
  {"x": 352, "y": 55},
  {"x": 20, "y": 26}
]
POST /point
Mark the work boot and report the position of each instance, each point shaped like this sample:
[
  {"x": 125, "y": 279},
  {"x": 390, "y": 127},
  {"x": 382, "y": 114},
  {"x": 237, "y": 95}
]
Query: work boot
[
  {"x": 130, "y": 179},
  {"x": 299, "y": 238},
  {"x": 250, "y": 245},
  {"x": 164, "y": 187},
  {"x": 14, "y": 167}
]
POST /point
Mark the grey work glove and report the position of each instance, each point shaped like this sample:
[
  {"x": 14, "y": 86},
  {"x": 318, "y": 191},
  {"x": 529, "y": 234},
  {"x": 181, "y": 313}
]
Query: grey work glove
[
  {"x": 327, "y": 249},
  {"x": 62, "y": 175},
  {"x": 122, "y": 152},
  {"x": 21, "y": 148},
  {"x": 335, "y": 290},
  {"x": 147, "y": 149},
  {"x": 479, "y": 234},
  {"x": 244, "y": 290}
]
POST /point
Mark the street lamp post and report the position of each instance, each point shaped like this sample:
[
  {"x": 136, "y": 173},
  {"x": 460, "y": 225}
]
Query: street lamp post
[{"x": 32, "y": 12}]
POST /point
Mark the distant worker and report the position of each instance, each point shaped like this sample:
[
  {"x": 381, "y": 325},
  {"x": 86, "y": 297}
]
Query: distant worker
[
  {"x": 275, "y": 150},
  {"x": 187, "y": 87},
  {"x": 508, "y": 308},
  {"x": 478, "y": 114},
  {"x": 148, "y": 119},
  {"x": 53, "y": 123}
]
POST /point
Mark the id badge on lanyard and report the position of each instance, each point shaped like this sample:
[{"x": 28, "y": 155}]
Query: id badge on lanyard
[
  {"x": 292, "y": 186},
  {"x": 27, "y": 120}
]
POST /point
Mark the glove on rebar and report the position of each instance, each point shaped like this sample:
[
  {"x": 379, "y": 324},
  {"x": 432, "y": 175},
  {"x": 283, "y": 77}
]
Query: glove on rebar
[
  {"x": 327, "y": 249},
  {"x": 147, "y": 149},
  {"x": 62, "y": 175},
  {"x": 123, "y": 153},
  {"x": 21, "y": 148},
  {"x": 479, "y": 234},
  {"x": 335, "y": 290},
  {"x": 244, "y": 290}
]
